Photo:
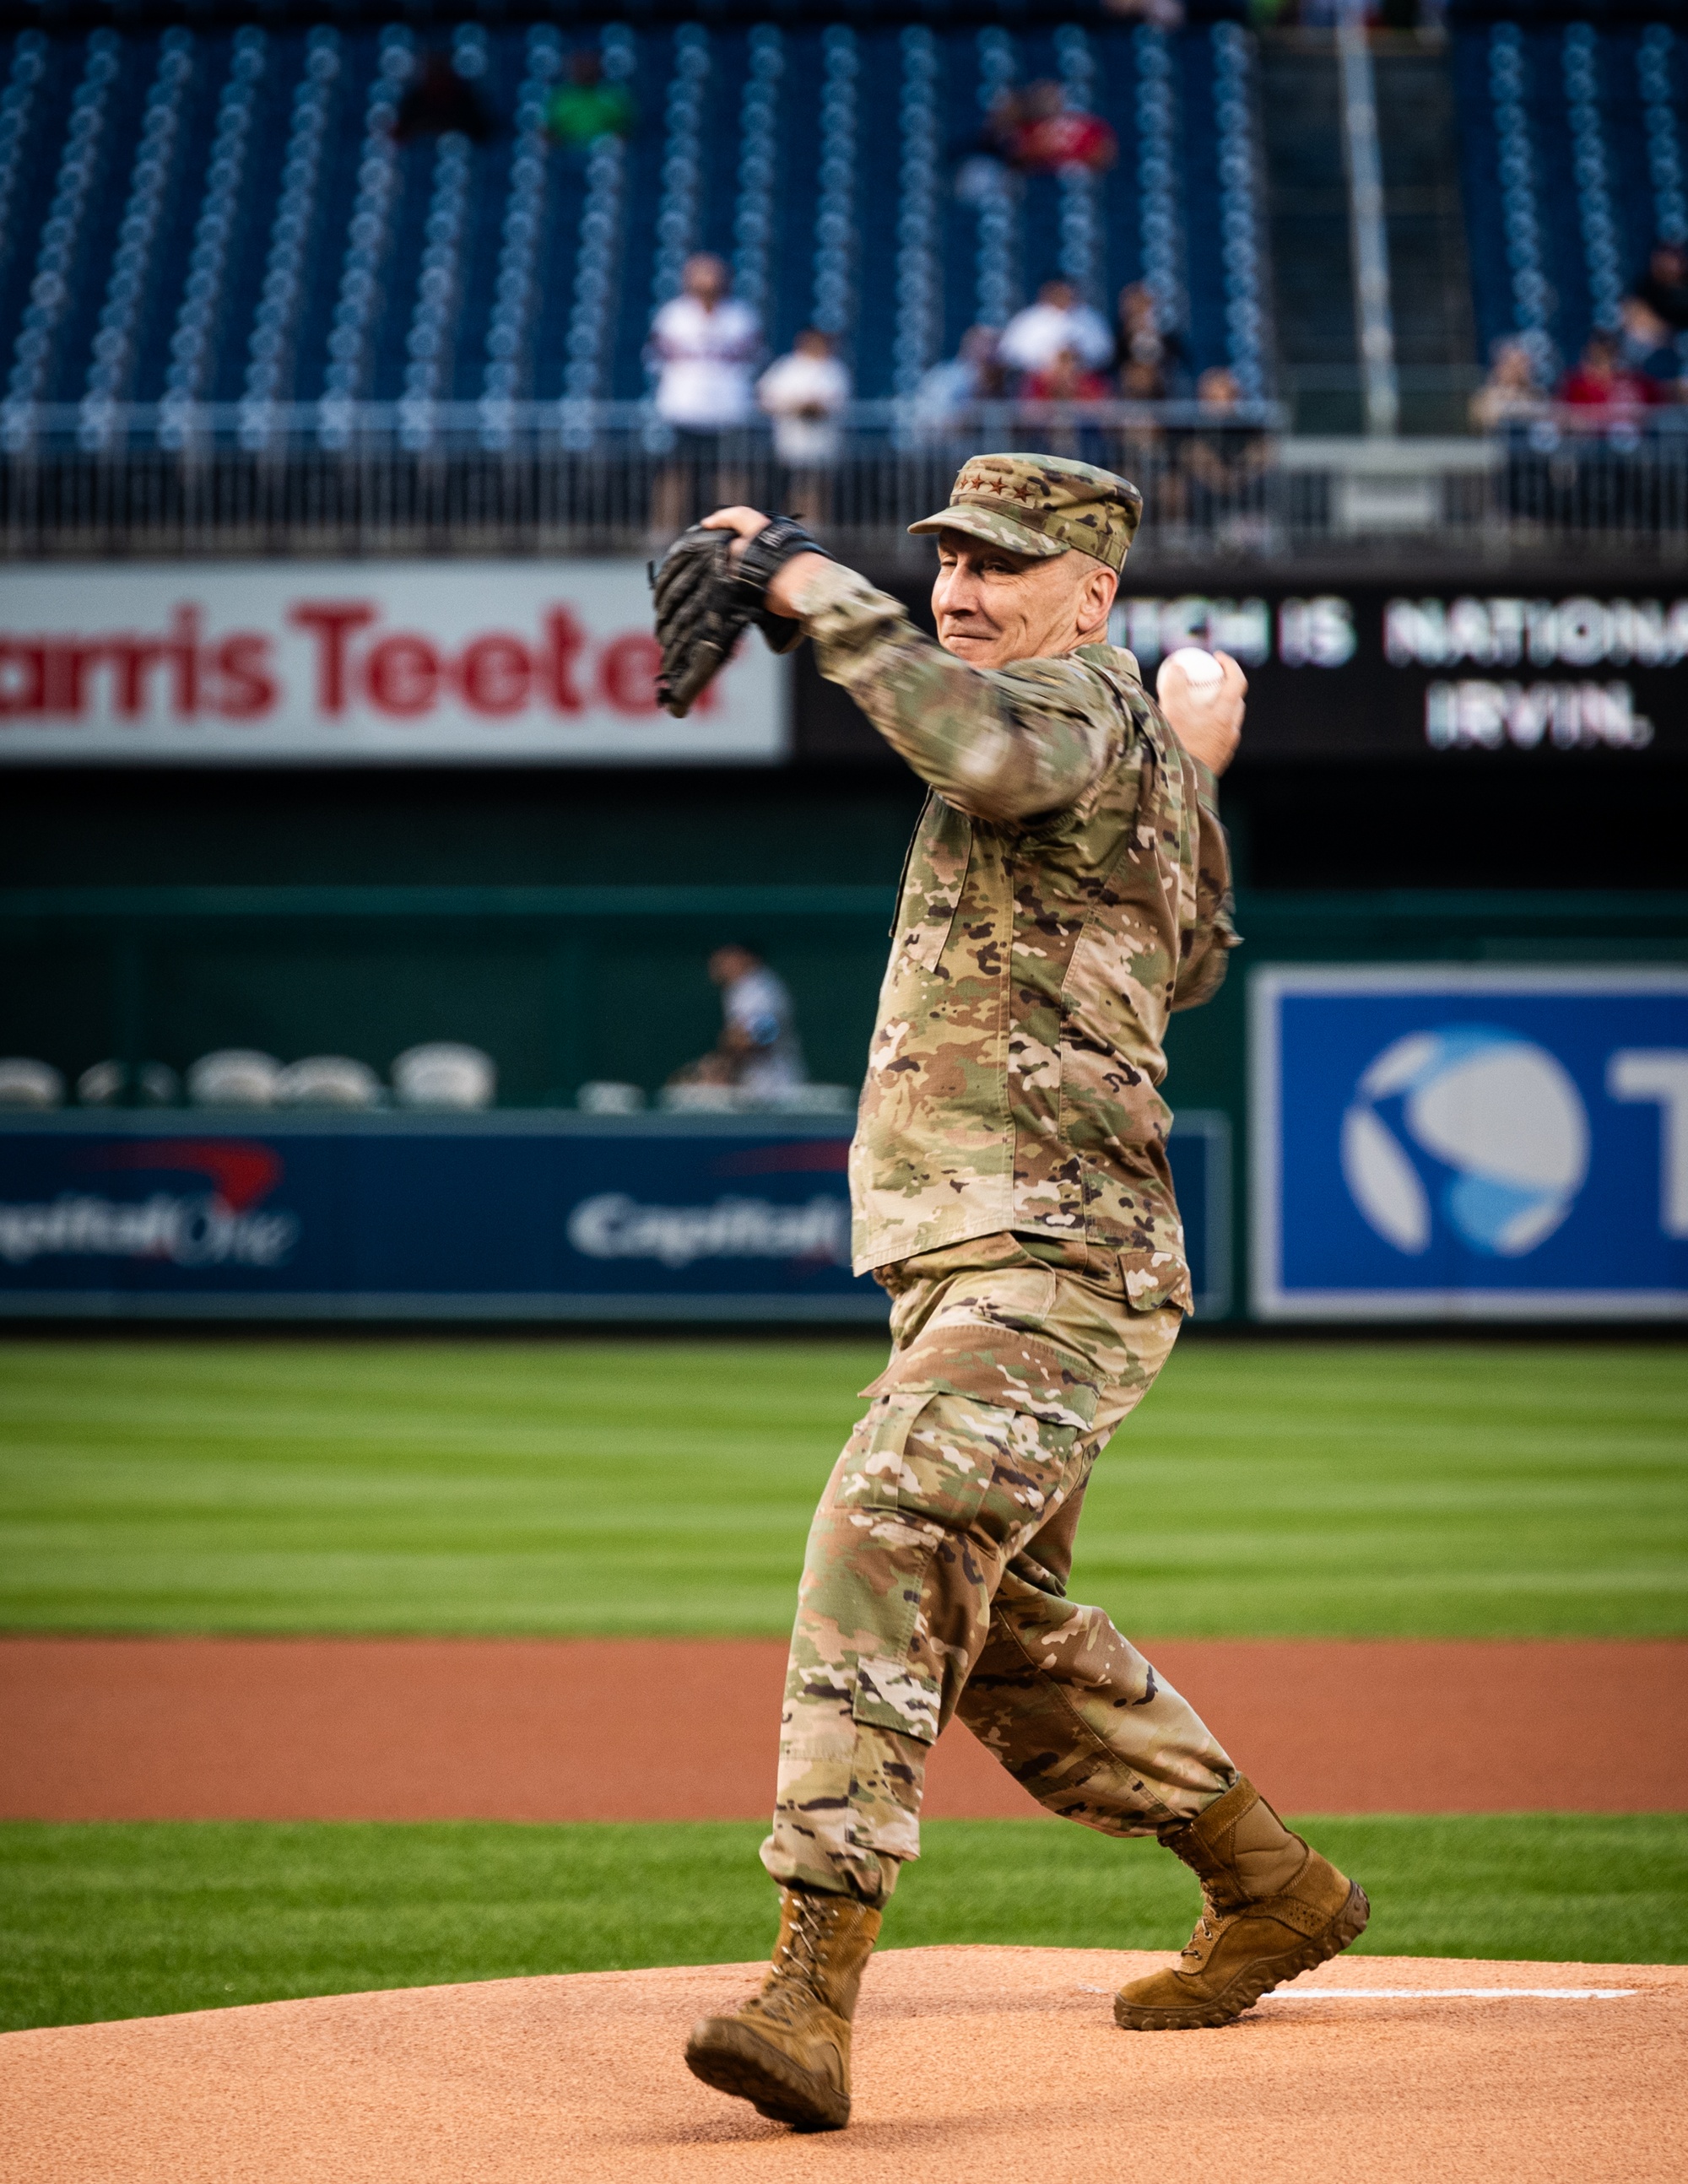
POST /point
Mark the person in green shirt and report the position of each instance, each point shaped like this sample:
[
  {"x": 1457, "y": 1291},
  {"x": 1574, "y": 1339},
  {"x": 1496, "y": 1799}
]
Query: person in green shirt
[{"x": 586, "y": 108}]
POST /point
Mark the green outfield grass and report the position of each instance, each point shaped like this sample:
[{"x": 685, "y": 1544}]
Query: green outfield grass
[
  {"x": 1442, "y": 1490},
  {"x": 109, "y": 1921}
]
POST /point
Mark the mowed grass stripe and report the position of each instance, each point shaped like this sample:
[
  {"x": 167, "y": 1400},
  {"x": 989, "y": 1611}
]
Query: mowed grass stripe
[
  {"x": 140, "y": 1920},
  {"x": 665, "y": 1487}
]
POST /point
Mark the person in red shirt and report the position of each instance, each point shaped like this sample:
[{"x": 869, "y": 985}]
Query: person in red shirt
[
  {"x": 1050, "y": 134},
  {"x": 1601, "y": 380},
  {"x": 1064, "y": 379}
]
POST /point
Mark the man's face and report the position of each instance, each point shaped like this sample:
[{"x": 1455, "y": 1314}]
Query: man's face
[
  {"x": 993, "y": 606},
  {"x": 705, "y": 278},
  {"x": 729, "y": 965},
  {"x": 1512, "y": 366},
  {"x": 1058, "y": 294},
  {"x": 1643, "y": 326},
  {"x": 1216, "y": 389}
]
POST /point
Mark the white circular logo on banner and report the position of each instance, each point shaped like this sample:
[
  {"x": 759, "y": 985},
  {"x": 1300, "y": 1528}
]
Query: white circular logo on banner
[{"x": 1500, "y": 1111}]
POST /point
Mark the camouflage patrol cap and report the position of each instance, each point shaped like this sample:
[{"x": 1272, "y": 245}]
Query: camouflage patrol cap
[{"x": 1042, "y": 505}]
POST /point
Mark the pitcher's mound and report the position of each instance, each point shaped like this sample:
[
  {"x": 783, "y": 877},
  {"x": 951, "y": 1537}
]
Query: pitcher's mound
[{"x": 970, "y": 2063}]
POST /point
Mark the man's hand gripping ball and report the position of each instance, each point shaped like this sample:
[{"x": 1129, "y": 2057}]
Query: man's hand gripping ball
[{"x": 1202, "y": 693}]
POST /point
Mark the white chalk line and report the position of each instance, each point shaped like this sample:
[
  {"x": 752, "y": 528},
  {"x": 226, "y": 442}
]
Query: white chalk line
[
  {"x": 1454, "y": 1994},
  {"x": 1436, "y": 1993}
]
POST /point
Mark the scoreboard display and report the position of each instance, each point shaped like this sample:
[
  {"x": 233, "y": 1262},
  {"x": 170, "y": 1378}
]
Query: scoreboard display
[{"x": 1394, "y": 670}]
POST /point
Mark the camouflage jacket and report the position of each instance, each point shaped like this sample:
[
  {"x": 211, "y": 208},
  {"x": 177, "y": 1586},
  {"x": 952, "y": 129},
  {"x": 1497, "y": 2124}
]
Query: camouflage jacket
[{"x": 1066, "y": 887}]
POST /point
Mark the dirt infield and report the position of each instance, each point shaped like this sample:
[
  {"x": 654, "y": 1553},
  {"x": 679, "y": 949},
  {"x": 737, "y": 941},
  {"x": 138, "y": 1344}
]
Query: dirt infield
[
  {"x": 970, "y": 2062},
  {"x": 647, "y": 1729}
]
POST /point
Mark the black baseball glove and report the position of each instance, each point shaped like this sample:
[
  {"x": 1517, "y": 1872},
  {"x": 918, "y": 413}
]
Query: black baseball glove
[{"x": 706, "y": 599}]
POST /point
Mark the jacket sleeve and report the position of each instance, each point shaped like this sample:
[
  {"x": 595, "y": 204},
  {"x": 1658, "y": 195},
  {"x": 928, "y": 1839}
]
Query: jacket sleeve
[
  {"x": 1002, "y": 746},
  {"x": 1209, "y": 940}
]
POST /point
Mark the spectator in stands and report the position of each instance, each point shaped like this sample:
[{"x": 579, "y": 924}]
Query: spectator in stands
[
  {"x": 805, "y": 394},
  {"x": 1223, "y": 461},
  {"x": 1034, "y": 338},
  {"x": 703, "y": 345},
  {"x": 974, "y": 374},
  {"x": 1649, "y": 347},
  {"x": 1511, "y": 394},
  {"x": 1050, "y": 135},
  {"x": 1218, "y": 395},
  {"x": 984, "y": 163},
  {"x": 1140, "y": 380},
  {"x": 703, "y": 342},
  {"x": 1601, "y": 382},
  {"x": 1034, "y": 132},
  {"x": 758, "y": 1051},
  {"x": 439, "y": 102},
  {"x": 1136, "y": 450},
  {"x": 586, "y": 108},
  {"x": 1065, "y": 378},
  {"x": 1140, "y": 339},
  {"x": 1067, "y": 381},
  {"x": 1164, "y": 14},
  {"x": 1663, "y": 287}
]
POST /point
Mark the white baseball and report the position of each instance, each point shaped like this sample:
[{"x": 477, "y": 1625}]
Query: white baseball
[{"x": 1202, "y": 673}]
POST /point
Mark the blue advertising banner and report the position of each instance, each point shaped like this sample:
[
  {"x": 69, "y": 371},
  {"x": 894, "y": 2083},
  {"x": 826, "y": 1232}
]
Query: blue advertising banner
[
  {"x": 1454, "y": 1142},
  {"x": 542, "y": 1216}
]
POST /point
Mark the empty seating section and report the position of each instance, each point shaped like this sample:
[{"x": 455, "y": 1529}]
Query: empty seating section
[
  {"x": 1574, "y": 165},
  {"x": 57, "y": 228},
  {"x": 515, "y": 249},
  {"x": 921, "y": 177},
  {"x": 204, "y": 299},
  {"x": 274, "y": 322},
  {"x": 367, "y": 238},
  {"x": 1234, "y": 169},
  {"x": 17, "y": 107},
  {"x": 126, "y": 288},
  {"x": 225, "y": 223}
]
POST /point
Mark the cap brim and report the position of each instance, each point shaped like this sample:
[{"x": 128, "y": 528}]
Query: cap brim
[{"x": 995, "y": 529}]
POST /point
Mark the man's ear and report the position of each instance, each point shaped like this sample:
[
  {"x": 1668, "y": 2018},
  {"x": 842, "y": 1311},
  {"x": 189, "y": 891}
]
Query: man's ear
[{"x": 1099, "y": 591}]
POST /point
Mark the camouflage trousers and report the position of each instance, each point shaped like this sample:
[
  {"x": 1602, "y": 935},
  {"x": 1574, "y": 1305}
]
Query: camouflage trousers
[{"x": 934, "y": 1581}]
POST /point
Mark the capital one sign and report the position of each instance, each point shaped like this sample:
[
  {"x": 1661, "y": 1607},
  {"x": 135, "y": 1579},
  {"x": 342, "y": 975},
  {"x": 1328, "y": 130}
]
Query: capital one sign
[{"x": 538, "y": 662}]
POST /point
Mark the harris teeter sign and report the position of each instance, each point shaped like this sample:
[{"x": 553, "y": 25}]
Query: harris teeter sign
[{"x": 360, "y": 662}]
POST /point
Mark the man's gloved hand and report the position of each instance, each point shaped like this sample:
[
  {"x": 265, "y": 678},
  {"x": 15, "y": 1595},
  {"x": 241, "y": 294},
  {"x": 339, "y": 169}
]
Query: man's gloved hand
[{"x": 706, "y": 593}]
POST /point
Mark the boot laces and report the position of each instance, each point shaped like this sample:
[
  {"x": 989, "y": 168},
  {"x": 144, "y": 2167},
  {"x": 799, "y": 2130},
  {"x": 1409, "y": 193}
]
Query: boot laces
[
  {"x": 1216, "y": 1916},
  {"x": 797, "y": 1960},
  {"x": 1206, "y": 1927}
]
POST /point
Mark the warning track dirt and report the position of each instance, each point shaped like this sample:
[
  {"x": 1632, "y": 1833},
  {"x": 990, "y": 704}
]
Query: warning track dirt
[{"x": 663, "y": 1730}]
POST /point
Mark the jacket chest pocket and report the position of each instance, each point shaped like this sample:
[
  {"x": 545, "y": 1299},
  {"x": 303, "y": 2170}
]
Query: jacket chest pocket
[{"x": 933, "y": 877}]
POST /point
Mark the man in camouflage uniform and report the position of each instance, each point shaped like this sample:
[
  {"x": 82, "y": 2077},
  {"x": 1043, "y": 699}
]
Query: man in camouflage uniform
[{"x": 1067, "y": 887}]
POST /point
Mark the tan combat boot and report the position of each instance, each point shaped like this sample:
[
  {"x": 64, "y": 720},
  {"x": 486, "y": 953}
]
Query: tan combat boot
[
  {"x": 1272, "y": 1907},
  {"x": 787, "y": 2052}
]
